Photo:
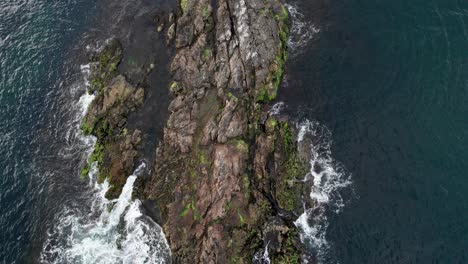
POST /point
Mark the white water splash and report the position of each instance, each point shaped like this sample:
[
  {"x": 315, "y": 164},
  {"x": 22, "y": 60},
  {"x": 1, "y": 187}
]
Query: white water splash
[
  {"x": 86, "y": 99},
  {"x": 114, "y": 231},
  {"x": 262, "y": 256},
  {"x": 76, "y": 141},
  {"x": 277, "y": 108},
  {"x": 84, "y": 102},
  {"x": 329, "y": 180},
  {"x": 302, "y": 31},
  {"x": 109, "y": 231}
]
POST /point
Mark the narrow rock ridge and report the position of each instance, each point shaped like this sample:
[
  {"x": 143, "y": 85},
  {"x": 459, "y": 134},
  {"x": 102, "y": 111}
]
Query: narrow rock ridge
[
  {"x": 115, "y": 98},
  {"x": 226, "y": 178}
]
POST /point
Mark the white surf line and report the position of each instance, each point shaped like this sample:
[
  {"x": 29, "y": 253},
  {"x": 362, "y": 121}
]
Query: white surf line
[
  {"x": 114, "y": 231},
  {"x": 119, "y": 232},
  {"x": 329, "y": 179}
]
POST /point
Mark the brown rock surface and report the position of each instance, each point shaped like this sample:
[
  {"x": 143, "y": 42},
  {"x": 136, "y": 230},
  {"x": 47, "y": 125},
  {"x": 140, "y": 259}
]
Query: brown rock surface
[
  {"x": 106, "y": 118},
  {"x": 222, "y": 175}
]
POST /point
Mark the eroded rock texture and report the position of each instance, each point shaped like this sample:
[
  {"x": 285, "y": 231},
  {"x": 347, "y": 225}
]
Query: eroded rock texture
[
  {"x": 115, "y": 98},
  {"x": 225, "y": 179}
]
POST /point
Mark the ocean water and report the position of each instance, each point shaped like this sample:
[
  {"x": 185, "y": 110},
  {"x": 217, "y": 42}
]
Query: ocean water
[
  {"x": 43, "y": 56},
  {"x": 389, "y": 80},
  {"x": 378, "y": 89},
  {"x": 35, "y": 37}
]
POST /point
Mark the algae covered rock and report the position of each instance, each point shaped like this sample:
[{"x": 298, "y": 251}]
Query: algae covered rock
[
  {"x": 105, "y": 62},
  {"x": 106, "y": 118}
]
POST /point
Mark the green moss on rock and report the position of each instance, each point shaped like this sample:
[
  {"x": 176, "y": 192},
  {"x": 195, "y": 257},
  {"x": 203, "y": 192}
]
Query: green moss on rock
[
  {"x": 270, "y": 90},
  {"x": 290, "y": 254},
  {"x": 292, "y": 170},
  {"x": 207, "y": 53},
  {"x": 206, "y": 11},
  {"x": 240, "y": 145},
  {"x": 86, "y": 127},
  {"x": 108, "y": 60},
  {"x": 184, "y": 5},
  {"x": 96, "y": 156}
]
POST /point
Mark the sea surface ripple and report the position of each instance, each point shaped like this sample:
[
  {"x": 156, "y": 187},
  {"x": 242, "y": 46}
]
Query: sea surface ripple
[{"x": 34, "y": 36}]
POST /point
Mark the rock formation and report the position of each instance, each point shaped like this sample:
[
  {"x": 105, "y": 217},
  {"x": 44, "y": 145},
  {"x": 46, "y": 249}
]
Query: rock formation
[
  {"x": 225, "y": 183},
  {"x": 115, "y": 150},
  {"x": 225, "y": 174}
]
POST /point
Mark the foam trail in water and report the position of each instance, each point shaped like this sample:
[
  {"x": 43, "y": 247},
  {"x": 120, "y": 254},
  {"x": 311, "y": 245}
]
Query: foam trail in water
[
  {"x": 80, "y": 108},
  {"x": 329, "y": 179},
  {"x": 114, "y": 231},
  {"x": 301, "y": 32},
  {"x": 76, "y": 141}
]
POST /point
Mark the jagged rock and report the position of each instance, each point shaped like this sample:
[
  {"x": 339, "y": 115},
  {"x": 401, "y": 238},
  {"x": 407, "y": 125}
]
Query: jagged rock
[
  {"x": 114, "y": 103},
  {"x": 171, "y": 31},
  {"x": 224, "y": 169},
  {"x": 233, "y": 122},
  {"x": 120, "y": 160},
  {"x": 116, "y": 150}
]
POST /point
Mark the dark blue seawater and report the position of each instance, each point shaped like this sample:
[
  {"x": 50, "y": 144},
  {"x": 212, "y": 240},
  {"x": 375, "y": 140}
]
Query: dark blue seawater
[
  {"x": 388, "y": 78},
  {"x": 390, "y": 81},
  {"x": 35, "y": 38}
]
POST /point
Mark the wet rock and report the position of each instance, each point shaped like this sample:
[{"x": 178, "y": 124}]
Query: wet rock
[
  {"x": 104, "y": 65},
  {"x": 120, "y": 161},
  {"x": 116, "y": 150},
  {"x": 171, "y": 32},
  {"x": 114, "y": 103}
]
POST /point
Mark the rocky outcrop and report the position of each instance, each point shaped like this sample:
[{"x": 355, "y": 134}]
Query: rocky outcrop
[
  {"x": 106, "y": 118},
  {"x": 226, "y": 176},
  {"x": 226, "y": 181}
]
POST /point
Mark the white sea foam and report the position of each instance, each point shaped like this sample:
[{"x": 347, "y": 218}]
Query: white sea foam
[
  {"x": 113, "y": 231},
  {"x": 85, "y": 101},
  {"x": 302, "y": 31},
  {"x": 74, "y": 137},
  {"x": 105, "y": 231},
  {"x": 262, "y": 256},
  {"x": 329, "y": 180},
  {"x": 86, "y": 70},
  {"x": 86, "y": 98},
  {"x": 313, "y": 228},
  {"x": 277, "y": 108}
]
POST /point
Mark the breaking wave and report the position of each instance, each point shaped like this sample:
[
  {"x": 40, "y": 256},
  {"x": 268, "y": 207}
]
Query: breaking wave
[
  {"x": 277, "y": 108},
  {"x": 105, "y": 231},
  {"x": 112, "y": 231},
  {"x": 329, "y": 179},
  {"x": 76, "y": 142}
]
